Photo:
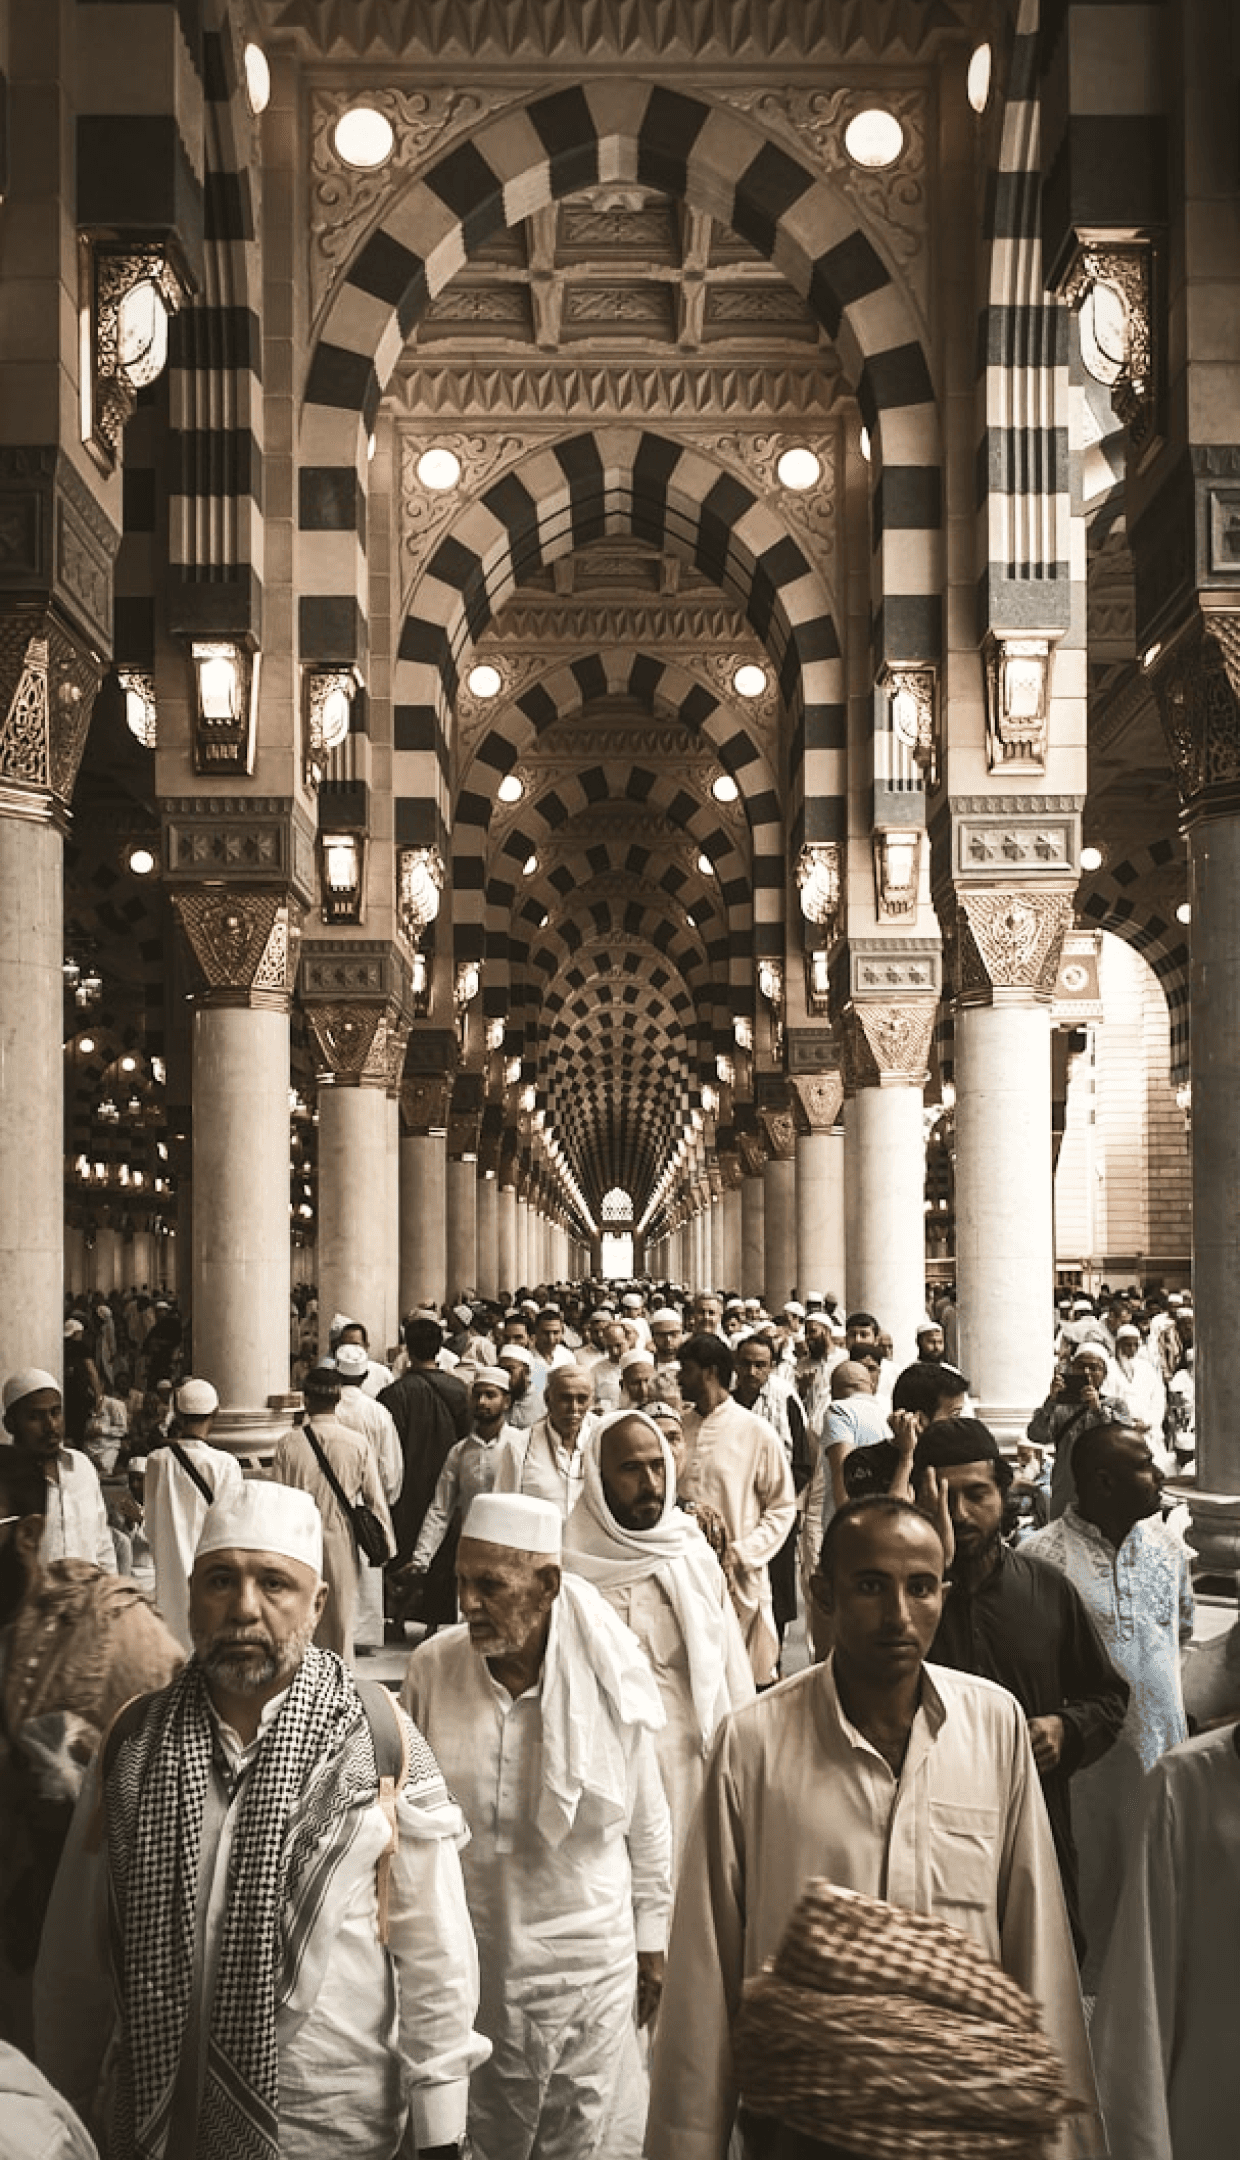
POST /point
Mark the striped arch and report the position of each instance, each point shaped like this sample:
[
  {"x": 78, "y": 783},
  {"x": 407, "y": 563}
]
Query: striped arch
[
  {"x": 721, "y": 163},
  {"x": 1024, "y": 506},
  {"x": 642, "y": 928},
  {"x": 619, "y": 1081},
  {"x": 1136, "y": 900},
  {"x": 622, "y": 479},
  {"x": 667, "y": 691}
]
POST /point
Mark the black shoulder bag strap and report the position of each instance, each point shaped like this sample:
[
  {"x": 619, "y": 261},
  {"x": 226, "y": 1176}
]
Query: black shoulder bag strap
[
  {"x": 349, "y": 1506},
  {"x": 191, "y": 1470}
]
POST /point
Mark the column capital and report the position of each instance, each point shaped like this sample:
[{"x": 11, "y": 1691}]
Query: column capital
[
  {"x": 244, "y": 943},
  {"x": 1005, "y": 944},
  {"x": 775, "y": 1115},
  {"x": 818, "y": 1097},
  {"x": 49, "y": 679},
  {"x": 359, "y": 1044},
  {"x": 424, "y": 1101},
  {"x": 465, "y": 1114},
  {"x": 1197, "y": 684},
  {"x": 886, "y": 1044}
]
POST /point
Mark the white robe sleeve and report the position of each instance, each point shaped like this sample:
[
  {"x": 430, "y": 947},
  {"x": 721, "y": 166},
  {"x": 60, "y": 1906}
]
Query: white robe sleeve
[
  {"x": 1134, "y": 2029},
  {"x": 649, "y": 1838},
  {"x": 441, "y": 1510},
  {"x": 431, "y": 1943},
  {"x": 776, "y": 1497}
]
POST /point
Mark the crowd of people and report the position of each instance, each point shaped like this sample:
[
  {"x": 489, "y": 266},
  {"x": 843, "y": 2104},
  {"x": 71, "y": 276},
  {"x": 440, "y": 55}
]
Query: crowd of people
[{"x": 704, "y": 1617}]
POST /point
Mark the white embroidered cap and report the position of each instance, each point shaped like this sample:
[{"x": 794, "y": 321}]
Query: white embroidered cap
[
  {"x": 491, "y": 1376},
  {"x": 197, "y": 1398},
  {"x": 265, "y": 1517},
  {"x": 517, "y": 1521}
]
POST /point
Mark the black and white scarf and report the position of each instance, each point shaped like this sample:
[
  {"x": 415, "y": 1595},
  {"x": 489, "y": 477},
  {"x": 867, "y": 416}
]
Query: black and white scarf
[{"x": 302, "y": 1805}]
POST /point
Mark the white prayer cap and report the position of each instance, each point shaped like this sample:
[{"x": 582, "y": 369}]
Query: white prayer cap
[
  {"x": 352, "y": 1361},
  {"x": 492, "y": 1376},
  {"x": 631, "y": 1301},
  {"x": 516, "y": 1520},
  {"x": 517, "y": 1353},
  {"x": 265, "y": 1517},
  {"x": 797, "y": 1311},
  {"x": 196, "y": 1398},
  {"x": 29, "y": 1381},
  {"x": 73, "y": 1327},
  {"x": 463, "y": 1313},
  {"x": 665, "y": 1317},
  {"x": 637, "y": 1357},
  {"x": 814, "y": 1297},
  {"x": 339, "y": 1322},
  {"x": 753, "y": 1304},
  {"x": 1128, "y": 1329}
]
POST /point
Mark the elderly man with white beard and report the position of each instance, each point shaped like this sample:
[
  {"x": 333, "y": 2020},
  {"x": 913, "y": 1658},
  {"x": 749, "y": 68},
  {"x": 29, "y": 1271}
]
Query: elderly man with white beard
[
  {"x": 259, "y": 1931},
  {"x": 541, "y": 1709},
  {"x": 650, "y": 1561}
]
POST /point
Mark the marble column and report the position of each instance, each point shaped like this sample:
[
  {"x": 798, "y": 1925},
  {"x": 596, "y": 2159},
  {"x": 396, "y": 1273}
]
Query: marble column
[
  {"x": 353, "y": 1207},
  {"x": 820, "y": 1186},
  {"x": 423, "y": 1219},
  {"x": 392, "y": 1312},
  {"x": 462, "y": 1197},
  {"x": 1198, "y": 686},
  {"x": 31, "y": 1087},
  {"x": 506, "y": 1238},
  {"x": 106, "y": 1271},
  {"x": 488, "y": 1235},
  {"x": 779, "y": 1218},
  {"x": 76, "y": 1278},
  {"x": 753, "y": 1234},
  {"x": 885, "y": 1051},
  {"x": 244, "y": 944},
  {"x": 143, "y": 1262},
  {"x": 730, "y": 1255}
]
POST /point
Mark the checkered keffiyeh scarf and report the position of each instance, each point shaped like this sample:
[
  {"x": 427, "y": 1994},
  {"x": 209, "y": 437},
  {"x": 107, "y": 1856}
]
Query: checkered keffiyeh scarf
[
  {"x": 891, "y": 2034},
  {"x": 301, "y": 1806}
]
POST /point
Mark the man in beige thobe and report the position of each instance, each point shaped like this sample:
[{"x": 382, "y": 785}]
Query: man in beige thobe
[
  {"x": 357, "y": 1473},
  {"x": 904, "y": 1781},
  {"x": 735, "y": 1462}
]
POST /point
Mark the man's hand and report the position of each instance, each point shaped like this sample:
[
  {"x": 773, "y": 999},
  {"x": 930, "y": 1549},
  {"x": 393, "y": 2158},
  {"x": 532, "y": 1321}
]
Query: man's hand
[
  {"x": 932, "y": 1499},
  {"x": 1046, "y": 1735},
  {"x": 1057, "y": 1384},
  {"x": 1090, "y": 1397},
  {"x": 649, "y": 1985}
]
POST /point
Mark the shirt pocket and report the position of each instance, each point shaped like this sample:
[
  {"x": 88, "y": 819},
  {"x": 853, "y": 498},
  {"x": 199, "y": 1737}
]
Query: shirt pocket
[{"x": 964, "y": 1849}]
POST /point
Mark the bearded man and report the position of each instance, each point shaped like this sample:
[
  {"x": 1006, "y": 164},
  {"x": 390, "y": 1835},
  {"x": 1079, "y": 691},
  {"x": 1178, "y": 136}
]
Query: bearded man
[{"x": 260, "y": 1923}]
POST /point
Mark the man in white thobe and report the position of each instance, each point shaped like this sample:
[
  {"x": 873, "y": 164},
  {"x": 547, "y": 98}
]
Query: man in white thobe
[
  {"x": 77, "y": 1519},
  {"x": 363, "y": 1413},
  {"x": 543, "y": 1710},
  {"x": 904, "y": 1781},
  {"x": 270, "y": 1950},
  {"x": 648, "y": 1558},
  {"x": 546, "y": 1463},
  {"x": 469, "y": 1467},
  {"x": 1164, "y": 2031},
  {"x": 734, "y": 1461},
  {"x": 184, "y": 1476}
]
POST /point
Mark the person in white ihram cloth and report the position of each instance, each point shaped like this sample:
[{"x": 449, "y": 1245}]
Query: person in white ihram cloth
[
  {"x": 650, "y": 1561},
  {"x": 175, "y": 1507},
  {"x": 542, "y": 1711},
  {"x": 258, "y": 1943}
]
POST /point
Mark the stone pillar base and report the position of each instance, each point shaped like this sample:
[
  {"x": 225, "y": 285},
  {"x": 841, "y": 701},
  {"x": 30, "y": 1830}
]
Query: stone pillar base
[
  {"x": 1008, "y": 1424},
  {"x": 251, "y": 1435},
  {"x": 1215, "y": 1532}
]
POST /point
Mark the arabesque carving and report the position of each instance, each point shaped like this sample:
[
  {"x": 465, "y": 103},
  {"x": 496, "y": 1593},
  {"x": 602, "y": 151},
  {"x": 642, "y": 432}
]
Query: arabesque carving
[
  {"x": 426, "y": 513},
  {"x": 48, "y": 684},
  {"x": 667, "y": 391},
  {"x": 1197, "y": 684},
  {"x": 424, "y": 1100},
  {"x": 244, "y": 944},
  {"x": 1008, "y": 941},
  {"x": 819, "y": 1097},
  {"x": 360, "y": 1045},
  {"x": 885, "y": 1045}
]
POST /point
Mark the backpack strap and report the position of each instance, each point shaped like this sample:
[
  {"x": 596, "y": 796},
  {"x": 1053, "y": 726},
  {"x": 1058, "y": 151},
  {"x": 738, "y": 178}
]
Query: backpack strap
[{"x": 391, "y": 1745}]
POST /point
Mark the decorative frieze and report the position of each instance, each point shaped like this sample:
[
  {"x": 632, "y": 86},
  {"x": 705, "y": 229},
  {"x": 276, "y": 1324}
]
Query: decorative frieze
[
  {"x": 259, "y": 839},
  {"x": 997, "y": 836},
  {"x": 359, "y": 1044},
  {"x": 879, "y": 969}
]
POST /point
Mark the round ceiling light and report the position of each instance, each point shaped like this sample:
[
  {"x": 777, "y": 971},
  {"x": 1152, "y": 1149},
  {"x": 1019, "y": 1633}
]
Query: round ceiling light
[
  {"x": 529, "y": 866},
  {"x": 141, "y": 861},
  {"x": 864, "y": 445},
  {"x": 874, "y": 138},
  {"x": 86, "y": 1044},
  {"x": 706, "y": 866},
  {"x": 1091, "y": 858},
  {"x": 364, "y": 138},
  {"x": 257, "y": 79},
  {"x": 724, "y": 789},
  {"x": 511, "y": 788},
  {"x": 977, "y": 81},
  {"x": 1184, "y": 912},
  {"x": 749, "y": 680},
  {"x": 439, "y": 469},
  {"x": 799, "y": 469},
  {"x": 484, "y": 680}
]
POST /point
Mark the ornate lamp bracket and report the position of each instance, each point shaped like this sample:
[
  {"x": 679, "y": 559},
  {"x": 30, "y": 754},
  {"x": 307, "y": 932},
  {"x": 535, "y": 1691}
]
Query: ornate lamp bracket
[
  {"x": 1017, "y": 674},
  {"x": 913, "y": 695},
  {"x": 1110, "y": 283}
]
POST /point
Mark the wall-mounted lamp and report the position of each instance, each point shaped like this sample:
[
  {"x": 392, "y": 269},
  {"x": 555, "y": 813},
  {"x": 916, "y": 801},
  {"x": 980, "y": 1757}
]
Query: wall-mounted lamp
[
  {"x": 725, "y": 1070},
  {"x": 710, "y": 1099},
  {"x": 127, "y": 296},
  {"x": 495, "y": 1034},
  {"x": 1017, "y": 672},
  {"x": 226, "y": 698},
  {"x": 512, "y": 1072},
  {"x": 420, "y": 985},
  {"x": 419, "y": 885},
  {"x": 771, "y": 982},
  {"x": 140, "y": 712},
  {"x": 468, "y": 983},
  {"x": 742, "y": 1029},
  {"x": 817, "y": 982},
  {"x": 913, "y": 695},
  {"x": 897, "y": 866},
  {"x": 327, "y": 708},
  {"x": 342, "y": 876},
  {"x": 527, "y": 1098},
  {"x": 821, "y": 886}
]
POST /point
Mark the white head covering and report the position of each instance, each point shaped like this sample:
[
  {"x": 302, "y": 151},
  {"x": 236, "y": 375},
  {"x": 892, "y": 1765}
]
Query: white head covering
[
  {"x": 517, "y": 1351},
  {"x": 339, "y": 1322},
  {"x": 29, "y": 1381},
  {"x": 636, "y": 1357},
  {"x": 265, "y": 1517},
  {"x": 196, "y": 1398},
  {"x": 516, "y": 1520},
  {"x": 352, "y": 1361},
  {"x": 674, "y": 1551},
  {"x": 72, "y": 1328},
  {"x": 492, "y": 1376},
  {"x": 665, "y": 1317}
]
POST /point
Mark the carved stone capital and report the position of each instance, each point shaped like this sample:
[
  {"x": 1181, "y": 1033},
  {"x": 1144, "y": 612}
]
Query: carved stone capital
[
  {"x": 752, "y": 1153},
  {"x": 818, "y": 1097},
  {"x": 887, "y": 1045},
  {"x": 1197, "y": 683},
  {"x": 359, "y": 1044},
  {"x": 424, "y": 1100},
  {"x": 49, "y": 678},
  {"x": 243, "y": 942},
  {"x": 1007, "y": 941}
]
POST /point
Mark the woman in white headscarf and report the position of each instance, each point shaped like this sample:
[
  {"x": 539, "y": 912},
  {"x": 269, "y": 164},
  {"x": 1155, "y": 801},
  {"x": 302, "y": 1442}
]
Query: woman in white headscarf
[{"x": 650, "y": 1561}]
